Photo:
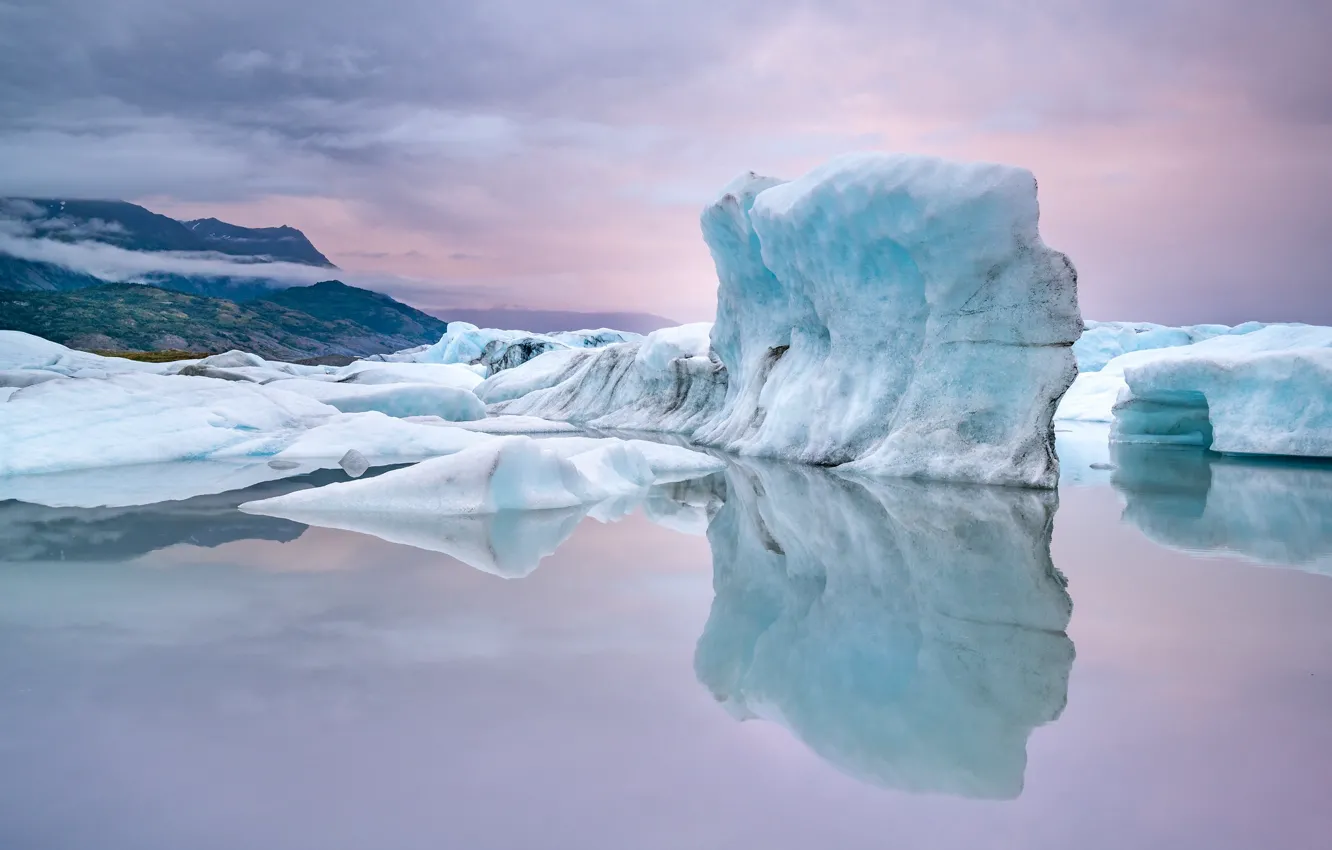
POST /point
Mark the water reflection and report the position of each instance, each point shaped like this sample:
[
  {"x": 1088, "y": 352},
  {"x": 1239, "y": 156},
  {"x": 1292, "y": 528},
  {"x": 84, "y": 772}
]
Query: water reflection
[
  {"x": 1264, "y": 510},
  {"x": 912, "y": 635},
  {"x": 33, "y": 532}
]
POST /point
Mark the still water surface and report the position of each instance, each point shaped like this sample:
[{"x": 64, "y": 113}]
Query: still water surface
[{"x": 835, "y": 664}]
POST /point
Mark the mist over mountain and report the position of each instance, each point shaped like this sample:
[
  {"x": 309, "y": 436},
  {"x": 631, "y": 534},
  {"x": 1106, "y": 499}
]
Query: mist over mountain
[{"x": 54, "y": 245}]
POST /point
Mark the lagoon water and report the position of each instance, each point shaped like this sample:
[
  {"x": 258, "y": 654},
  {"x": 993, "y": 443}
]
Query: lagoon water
[{"x": 1143, "y": 661}]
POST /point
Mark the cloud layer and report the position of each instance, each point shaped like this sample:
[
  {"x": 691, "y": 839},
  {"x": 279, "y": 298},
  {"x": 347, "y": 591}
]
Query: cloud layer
[{"x": 556, "y": 155}]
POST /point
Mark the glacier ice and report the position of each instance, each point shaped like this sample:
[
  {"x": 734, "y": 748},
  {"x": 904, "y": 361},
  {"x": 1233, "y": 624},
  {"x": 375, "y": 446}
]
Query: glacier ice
[
  {"x": 896, "y": 314},
  {"x": 1265, "y": 392},
  {"x": 392, "y": 399},
  {"x": 492, "y": 351},
  {"x": 506, "y": 473},
  {"x": 499, "y": 474},
  {"x": 542, "y": 371},
  {"x": 911, "y": 634},
  {"x": 615, "y": 388},
  {"x": 133, "y": 418},
  {"x": 353, "y": 463},
  {"x": 1102, "y": 342}
]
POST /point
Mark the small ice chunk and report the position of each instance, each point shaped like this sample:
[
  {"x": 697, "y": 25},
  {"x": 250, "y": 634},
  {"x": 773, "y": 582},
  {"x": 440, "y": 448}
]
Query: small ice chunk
[{"x": 354, "y": 463}]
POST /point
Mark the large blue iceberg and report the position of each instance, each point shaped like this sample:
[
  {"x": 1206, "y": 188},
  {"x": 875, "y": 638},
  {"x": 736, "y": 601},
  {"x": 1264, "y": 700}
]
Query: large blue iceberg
[{"x": 898, "y": 315}]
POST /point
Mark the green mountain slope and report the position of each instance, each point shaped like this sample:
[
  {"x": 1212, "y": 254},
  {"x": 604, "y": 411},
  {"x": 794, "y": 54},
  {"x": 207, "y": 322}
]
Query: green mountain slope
[
  {"x": 134, "y": 317},
  {"x": 333, "y": 299}
]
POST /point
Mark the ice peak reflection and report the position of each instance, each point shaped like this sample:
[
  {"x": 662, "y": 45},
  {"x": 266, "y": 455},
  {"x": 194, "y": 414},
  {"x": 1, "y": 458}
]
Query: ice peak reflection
[
  {"x": 1265, "y": 510},
  {"x": 910, "y": 634}
]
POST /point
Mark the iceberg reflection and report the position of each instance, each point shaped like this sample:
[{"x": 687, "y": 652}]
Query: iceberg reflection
[
  {"x": 1265, "y": 510},
  {"x": 911, "y": 635},
  {"x": 35, "y": 532}
]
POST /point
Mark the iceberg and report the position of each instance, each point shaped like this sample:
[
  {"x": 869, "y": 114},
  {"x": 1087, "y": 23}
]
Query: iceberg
[
  {"x": 911, "y": 635},
  {"x": 392, "y": 399},
  {"x": 24, "y": 352},
  {"x": 499, "y": 474},
  {"x": 144, "y": 418},
  {"x": 1102, "y": 342},
  {"x": 898, "y": 315},
  {"x": 492, "y": 351},
  {"x": 504, "y": 474},
  {"x": 673, "y": 387},
  {"x": 1267, "y": 392}
]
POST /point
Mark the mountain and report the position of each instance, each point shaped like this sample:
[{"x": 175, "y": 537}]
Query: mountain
[
  {"x": 134, "y": 228},
  {"x": 550, "y": 321},
  {"x": 332, "y": 300},
  {"x": 278, "y": 243},
  {"x": 134, "y": 317}
]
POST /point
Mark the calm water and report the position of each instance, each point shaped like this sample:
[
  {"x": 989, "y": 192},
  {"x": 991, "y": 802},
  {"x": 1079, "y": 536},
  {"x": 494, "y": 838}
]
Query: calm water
[{"x": 832, "y": 665}]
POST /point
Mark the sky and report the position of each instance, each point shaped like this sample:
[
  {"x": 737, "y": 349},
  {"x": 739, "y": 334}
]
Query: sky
[{"x": 557, "y": 155}]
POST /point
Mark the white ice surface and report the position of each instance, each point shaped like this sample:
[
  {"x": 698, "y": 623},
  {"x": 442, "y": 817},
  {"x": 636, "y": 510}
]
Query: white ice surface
[
  {"x": 504, "y": 474},
  {"x": 506, "y": 425},
  {"x": 393, "y": 399},
  {"x": 1101, "y": 342},
  {"x": 144, "y": 418},
  {"x": 1266, "y": 392}
]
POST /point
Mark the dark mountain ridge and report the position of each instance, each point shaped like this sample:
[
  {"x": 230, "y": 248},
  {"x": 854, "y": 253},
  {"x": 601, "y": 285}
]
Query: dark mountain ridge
[{"x": 136, "y": 317}]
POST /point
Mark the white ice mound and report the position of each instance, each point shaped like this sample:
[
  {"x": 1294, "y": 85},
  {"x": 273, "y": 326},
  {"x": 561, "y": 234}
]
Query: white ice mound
[
  {"x": 503, "y": 474},
  {"x": 25, "y": 352},
  {"x": 492, "y": 351},
  {"x": 126, "y": 419},
  {"x": 392, "y": 399},
  {"x": 667, "y": 382},
  {"x": 1101, "y": 342},
  {"x": 499, "y": 474},
  {"x": 1267, "y": 392}
]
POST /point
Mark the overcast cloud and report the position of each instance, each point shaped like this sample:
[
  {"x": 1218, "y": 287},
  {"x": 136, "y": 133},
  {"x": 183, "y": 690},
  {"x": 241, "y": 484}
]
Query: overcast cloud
[{"x": 556, "y": 155}]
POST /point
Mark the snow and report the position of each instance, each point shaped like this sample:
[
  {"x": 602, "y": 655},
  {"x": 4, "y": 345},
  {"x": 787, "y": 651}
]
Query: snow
[
  {"x": 912, "y": 635},
  {"x": 1266, "y": 392},
  {"x": 896, "y": 314}
]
